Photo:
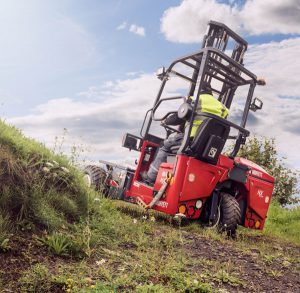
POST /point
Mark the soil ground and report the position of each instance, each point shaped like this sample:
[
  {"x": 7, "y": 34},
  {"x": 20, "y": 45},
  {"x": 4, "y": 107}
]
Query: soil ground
[{"x": 253, "y": 264}]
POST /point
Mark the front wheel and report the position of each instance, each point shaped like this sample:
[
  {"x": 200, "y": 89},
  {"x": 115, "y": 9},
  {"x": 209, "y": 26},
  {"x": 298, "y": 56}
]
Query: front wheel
[
  {"x": 95, "y": 177},
  {"x": 230, "y": 214}
]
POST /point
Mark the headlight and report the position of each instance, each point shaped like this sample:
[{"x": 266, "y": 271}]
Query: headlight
[{"x": 199, "y": 204}]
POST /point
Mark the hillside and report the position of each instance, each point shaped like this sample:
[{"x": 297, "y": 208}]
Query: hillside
[{"x": 58, "y": 236}]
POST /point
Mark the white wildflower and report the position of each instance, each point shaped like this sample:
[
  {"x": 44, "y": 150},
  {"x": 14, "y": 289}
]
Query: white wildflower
[
  {"x": 66, "y": 170},
  {"x": 100, "y": 262},
  {"x": 46, "y": 170}
]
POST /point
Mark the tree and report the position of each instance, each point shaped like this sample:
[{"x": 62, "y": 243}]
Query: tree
[{"x": 263, "y": 152}]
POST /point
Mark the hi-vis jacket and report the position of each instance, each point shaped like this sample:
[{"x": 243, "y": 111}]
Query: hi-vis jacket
[{"x": 208, "y": 104}]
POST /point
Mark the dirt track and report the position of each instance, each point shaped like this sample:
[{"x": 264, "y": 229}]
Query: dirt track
[
  {"x": 256, "y": 264},
  {"x": 277, "y": 270}
]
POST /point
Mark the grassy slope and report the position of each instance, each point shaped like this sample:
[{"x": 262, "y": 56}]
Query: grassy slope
[
  {"x": 33, "y": 191},
  {"x": 47, "y": 247}
]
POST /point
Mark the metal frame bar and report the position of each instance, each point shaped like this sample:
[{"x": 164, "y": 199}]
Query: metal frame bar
[{"x": 209, "y": 65}]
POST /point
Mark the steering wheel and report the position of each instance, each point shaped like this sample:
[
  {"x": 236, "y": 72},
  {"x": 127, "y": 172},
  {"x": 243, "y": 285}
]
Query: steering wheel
[{"x": 167, "y": 127}]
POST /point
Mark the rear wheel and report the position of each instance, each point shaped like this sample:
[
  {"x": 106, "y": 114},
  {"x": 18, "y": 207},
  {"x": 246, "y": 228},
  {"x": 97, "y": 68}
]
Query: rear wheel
[
  {"x": 95, "y": 177},
  {"x": 230, "y": 214}
]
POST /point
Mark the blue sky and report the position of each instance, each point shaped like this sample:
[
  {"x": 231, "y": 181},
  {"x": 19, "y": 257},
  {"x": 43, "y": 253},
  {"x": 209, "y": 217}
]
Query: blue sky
[
  {"x": 102, "y": 52},
  {"x": 88, "y": 66}
]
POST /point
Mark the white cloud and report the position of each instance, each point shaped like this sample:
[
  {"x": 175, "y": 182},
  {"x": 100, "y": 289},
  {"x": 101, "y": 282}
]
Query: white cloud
[
  {"x": 268, "y": 16},
  {"x": 280, "y": 118},
  {"x": 116, "y": 107},
  {"x": 138, "y": 30},
  {"x": 133, "y": 28},
  {"x": 122, "y": 26},
  {"x": 187, "y": 22},
  {"x": 99, "y": 122},
  {"x": 279, "y": 63}
]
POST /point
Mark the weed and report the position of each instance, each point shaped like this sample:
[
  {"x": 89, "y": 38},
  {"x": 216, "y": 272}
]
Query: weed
[
  {"x": 223, "y": 276},
  {"x": 274, "y": 273},
  {"x": 36, "y": 279},
  {"x": 57, "y": 243},
  {"x": 268, "y": 259},
  {"x": 5, "y": 228},
  {"x": 4, "y": 245}
]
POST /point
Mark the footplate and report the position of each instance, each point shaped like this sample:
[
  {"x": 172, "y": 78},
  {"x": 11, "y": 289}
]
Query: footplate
[{"x": 141, "y": 203}]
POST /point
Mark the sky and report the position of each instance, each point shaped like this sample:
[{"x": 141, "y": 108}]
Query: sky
[{"x": 82, "y": 73}]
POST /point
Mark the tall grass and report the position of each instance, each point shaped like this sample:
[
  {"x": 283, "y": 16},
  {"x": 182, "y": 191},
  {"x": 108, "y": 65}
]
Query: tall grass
[
  {"x": 283, "y": 223},
  {"x": 36, "y": 185}
]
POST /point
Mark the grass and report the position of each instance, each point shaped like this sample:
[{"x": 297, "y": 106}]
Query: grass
[
  {"x": 283, "y": 223},
  {"x": 68, "y": 238},
  {"x": 38, "y": 188},
  {"x": 126, "y": 254}
]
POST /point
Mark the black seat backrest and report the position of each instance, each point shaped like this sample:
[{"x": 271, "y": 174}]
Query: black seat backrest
[{"x": 209, "y": 140}]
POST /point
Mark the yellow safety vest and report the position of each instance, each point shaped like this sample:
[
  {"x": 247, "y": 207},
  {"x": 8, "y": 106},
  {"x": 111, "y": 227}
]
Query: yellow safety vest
[{"x": 208, "y": 104}]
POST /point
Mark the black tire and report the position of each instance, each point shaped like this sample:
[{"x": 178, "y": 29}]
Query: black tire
[
  {"x": 230, "y": 214},
  {"x": 95, "y": 177}
]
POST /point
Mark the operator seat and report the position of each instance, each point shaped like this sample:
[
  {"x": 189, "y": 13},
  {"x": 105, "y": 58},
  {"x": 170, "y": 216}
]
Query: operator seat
[{"x": 209, "y": 140}]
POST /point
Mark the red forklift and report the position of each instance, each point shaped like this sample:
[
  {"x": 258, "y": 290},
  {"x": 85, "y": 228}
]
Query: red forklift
[{"x": 198, "y": 181}]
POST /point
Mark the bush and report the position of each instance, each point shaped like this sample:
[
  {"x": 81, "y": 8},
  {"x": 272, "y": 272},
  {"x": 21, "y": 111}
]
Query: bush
[{"x": 263, "y": 152}]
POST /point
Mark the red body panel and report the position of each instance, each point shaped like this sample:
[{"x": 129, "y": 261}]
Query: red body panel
[
  {"x": 205, "y": 178},
  {"x": 260, "y": 187},
  {"x": 196, "y": 180},
  {"x": 259, "y": 196},
  {"x": 256, "y": 170}
]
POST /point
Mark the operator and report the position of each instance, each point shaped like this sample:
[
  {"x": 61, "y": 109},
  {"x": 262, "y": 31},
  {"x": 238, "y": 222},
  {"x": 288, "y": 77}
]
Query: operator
[{"x": 207, "y": 103}]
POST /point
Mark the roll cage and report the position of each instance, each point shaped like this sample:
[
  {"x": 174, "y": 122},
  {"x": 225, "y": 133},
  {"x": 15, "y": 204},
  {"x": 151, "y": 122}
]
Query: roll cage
[{"x": 224, "y": 73}]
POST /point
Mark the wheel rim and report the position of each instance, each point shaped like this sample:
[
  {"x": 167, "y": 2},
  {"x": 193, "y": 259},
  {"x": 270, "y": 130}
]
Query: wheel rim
[{"x": 88, "y": 180}]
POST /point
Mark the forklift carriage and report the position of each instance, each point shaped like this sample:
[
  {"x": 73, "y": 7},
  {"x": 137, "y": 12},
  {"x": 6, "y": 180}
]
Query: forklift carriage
[{"x": 198, "y": 181}]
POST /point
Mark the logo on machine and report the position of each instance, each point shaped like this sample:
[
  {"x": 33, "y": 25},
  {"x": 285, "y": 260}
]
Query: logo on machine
[
  {"x": 162, "y": 204},
  {"x": 212, "y": 152},
  {"x": 260, "y": 193},
  {"x": 163, "y": 177}
]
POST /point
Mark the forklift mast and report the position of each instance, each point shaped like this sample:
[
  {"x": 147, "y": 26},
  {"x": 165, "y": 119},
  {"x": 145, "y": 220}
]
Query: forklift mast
[{"x": 221, "y": 37}]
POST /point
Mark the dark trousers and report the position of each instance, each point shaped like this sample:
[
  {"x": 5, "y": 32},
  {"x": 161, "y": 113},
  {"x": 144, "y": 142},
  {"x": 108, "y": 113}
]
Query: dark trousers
[{"x": 161, "y": 155}]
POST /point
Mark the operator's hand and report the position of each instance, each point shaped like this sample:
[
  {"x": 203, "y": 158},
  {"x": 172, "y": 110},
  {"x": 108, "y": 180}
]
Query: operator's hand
[{"x": 173, "y": 120}]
